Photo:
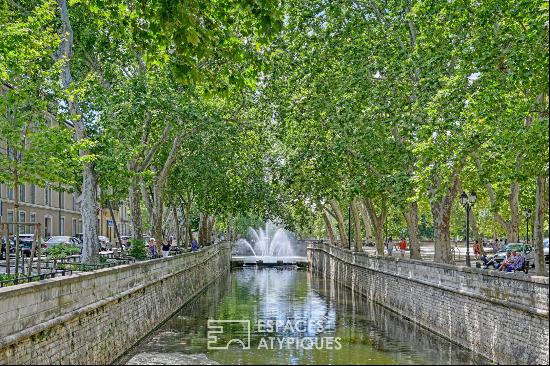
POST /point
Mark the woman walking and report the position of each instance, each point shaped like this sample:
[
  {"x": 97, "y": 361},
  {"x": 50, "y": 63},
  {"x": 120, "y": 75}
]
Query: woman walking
[
  {"x": 166, "y": 249},
  {"x": 152, "y": 248}
]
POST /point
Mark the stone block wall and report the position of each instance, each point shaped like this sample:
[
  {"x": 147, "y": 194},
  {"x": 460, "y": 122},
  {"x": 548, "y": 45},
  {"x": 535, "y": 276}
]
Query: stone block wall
[
  {"x": 503, "y": 316},
  {"x": 94, "y": 317}
]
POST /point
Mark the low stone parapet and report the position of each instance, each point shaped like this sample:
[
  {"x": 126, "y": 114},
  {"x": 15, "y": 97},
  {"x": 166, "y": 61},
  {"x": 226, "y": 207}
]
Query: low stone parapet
[
  {"x": 503, "y": 316},
  {"x": 94, "y": 317}
]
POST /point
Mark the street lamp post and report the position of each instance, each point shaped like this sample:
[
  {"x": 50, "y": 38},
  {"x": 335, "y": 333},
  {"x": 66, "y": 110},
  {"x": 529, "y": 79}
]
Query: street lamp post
[
  {"x": 468, "y": 203},
  {"x": 527, "y": 214}
]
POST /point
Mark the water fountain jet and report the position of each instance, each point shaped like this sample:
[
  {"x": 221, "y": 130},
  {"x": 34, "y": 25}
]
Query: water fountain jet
[{"x": 266, "y": 246}]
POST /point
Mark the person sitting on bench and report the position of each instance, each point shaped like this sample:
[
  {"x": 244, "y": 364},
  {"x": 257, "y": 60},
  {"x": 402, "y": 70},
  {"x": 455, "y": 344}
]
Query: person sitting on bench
[
  {"x": 489, "y": 262},
  {"x": 518, "y": 264},
  {"x": 510, "y": 261}
]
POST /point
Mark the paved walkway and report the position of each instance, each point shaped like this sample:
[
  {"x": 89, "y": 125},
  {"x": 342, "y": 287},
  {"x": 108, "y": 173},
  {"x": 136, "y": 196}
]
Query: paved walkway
[{"x": 427, "y": 252}]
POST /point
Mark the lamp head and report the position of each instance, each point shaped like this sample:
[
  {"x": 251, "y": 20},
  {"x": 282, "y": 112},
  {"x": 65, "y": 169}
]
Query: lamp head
[
  {"x": 473, "y": 197},
  {"x": 464, "y": 199}
]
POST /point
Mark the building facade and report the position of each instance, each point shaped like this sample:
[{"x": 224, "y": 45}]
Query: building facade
[
  {"x": 56, "y": 211},
  {"x": 106, "y": 225}
]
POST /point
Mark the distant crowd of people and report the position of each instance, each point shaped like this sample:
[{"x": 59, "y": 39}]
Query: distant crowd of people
[{"x": 152, "y": 247}]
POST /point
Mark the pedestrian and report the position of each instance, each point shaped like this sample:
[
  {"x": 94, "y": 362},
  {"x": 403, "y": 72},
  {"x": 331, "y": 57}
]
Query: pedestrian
[
  {"x": 496, "y": 246},
  {"x": 403, "y": 247},
  {"x": 477, "y": 250},
  {"x": 152, "y": 248},
  {"x": 389, "y": 247},
  {"x": 166, "y": 249},
  {"x": 194, "y": 245}
]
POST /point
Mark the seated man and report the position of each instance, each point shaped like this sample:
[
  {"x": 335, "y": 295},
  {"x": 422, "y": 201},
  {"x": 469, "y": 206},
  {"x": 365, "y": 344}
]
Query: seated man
[
  {"x": 489, "y": 262},
  {"x": 510, "y": 260},
  {"x": 518, "y": 263}
]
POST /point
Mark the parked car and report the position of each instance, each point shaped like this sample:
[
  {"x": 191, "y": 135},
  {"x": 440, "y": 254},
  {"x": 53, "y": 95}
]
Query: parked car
[
  {"x": 104, "y": 243},
  {"x": 545, "y": 243},
  {"x": 525, "y": 249},
  {"x": 25, "y": 243},
  {"x": 68, "y": 240},
  {"x": 12, "y": 248},
  {"x": 125, "y": 241}
]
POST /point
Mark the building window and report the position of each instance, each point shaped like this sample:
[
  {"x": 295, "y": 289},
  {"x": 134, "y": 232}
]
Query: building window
[
  {"x": 32, "y": 193},
  {"x": 47, "y": 227},
  {"x": 10, "y": 219},
  {"x": 75, "y": 228},
  {"x": 22, "y": 218},
  {"x": 61, "y": 199},
  {"x": 10, "y": 192},
  {"x": 47, "y": 196},
  {"x": 22, "y": 192},
  {"x": 74, "y": 202},
  {"x": 0, "y": 193},
  {"x": 62, "y": 226},
  {"x": 32, "y": 219}
]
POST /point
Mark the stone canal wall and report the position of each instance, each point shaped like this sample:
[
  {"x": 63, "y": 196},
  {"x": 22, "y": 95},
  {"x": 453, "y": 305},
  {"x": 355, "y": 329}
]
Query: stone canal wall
[
  {"x": 94, "y": 317},
  {"x": 503, "y": 316}
]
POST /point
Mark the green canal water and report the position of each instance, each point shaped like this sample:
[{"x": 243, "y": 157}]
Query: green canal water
[{"x": 294, "y": 317}]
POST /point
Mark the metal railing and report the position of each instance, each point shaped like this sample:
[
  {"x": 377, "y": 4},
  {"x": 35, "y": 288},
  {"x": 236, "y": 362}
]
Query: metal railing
[
  {"x": 11, "y": 280},
  {"x": 455, "y": 251}
]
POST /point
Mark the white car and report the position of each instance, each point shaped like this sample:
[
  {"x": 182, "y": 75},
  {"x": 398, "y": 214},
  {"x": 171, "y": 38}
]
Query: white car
[
  {"x": 66, "y": 240},
  {"x": 105, "y": 243}
]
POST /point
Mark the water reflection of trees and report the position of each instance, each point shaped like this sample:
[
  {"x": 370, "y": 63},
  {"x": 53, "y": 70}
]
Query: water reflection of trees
[
  {"x": 388, "y": 331},
  {"x": 368, "y": 331}
]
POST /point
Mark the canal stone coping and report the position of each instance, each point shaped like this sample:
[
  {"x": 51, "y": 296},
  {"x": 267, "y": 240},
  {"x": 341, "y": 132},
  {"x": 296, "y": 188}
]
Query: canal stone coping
[
  {"x": 36, "y": 308},
  {"x": 515, "y": 289},
  {"x": 503, "y": 316},
  {"x": 19, "y": 302}
]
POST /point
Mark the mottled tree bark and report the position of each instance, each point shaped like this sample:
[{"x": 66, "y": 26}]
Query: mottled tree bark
[
  {"x": 87, "y": 198},
  {"x": 411, "y": 217},
  {"x": 135, "y": 209},
  {"x": 441, "y": 211},
  {"x": 157, "y": 216},
  {"x": 203, "y": 223},
  {"x": 355, "y": 210},
  {"x": 366, "y": 221},
  {"x": 377, "y": 222},
  {"x": 340, "y": 220},
  {"x": 328, "y": 227},
  {"x": 538, "y": 231},
  {"x": 158, "y": 191},
  {"x": 210, "y": 220},
  {"x": 177, "y": 225}
]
